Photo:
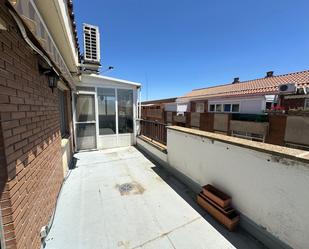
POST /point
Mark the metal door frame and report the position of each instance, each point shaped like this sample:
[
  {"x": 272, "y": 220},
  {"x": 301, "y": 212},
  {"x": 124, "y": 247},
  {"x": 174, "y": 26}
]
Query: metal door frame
[{"x": 75, "y": 94}]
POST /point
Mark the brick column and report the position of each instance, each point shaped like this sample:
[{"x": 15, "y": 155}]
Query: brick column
[
  {"x": 207, "y": 122},
  {"x": 277, "y": 125}
]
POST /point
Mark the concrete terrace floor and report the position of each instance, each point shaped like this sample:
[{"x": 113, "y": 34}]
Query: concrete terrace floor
[{"x": 97, "y": 209}]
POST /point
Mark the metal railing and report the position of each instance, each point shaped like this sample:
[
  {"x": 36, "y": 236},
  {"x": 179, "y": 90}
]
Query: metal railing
[{"x": 153, "y": 130}]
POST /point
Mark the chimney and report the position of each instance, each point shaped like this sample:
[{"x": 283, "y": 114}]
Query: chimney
[
  {"x": 236, "y": 80},
  {"x": 269, "y": 74}
]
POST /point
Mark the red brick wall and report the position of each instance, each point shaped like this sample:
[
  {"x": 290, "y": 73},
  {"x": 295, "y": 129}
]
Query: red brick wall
[
  {"x": 277, "y": 125},
  {"x": 31, "y": 171},
  {"x": 188, "y": 119},
  {"x": 207, "y": 122},
  {"x": 154, "y": 113},
  {"x": 193, "y": 106},
  {"x": 293, "y": 103}
]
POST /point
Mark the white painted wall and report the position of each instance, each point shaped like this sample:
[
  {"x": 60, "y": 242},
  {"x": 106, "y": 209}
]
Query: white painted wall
[
  {"x": 150, "y": 149},
  {"x": 115, "y": 141},
  {"x": 253, "y": 105},
  {"x": 271, "y": 191},
  {"x": 297, "y": 130},
  {"x": 257, "y": 105}
]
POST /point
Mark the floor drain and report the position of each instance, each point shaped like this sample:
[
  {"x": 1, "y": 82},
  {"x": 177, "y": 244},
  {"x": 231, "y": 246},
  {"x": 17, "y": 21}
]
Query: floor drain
[{"x": 125, "y": 188}]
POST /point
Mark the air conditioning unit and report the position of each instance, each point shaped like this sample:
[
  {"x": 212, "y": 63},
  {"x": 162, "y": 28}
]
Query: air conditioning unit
[
  {"x": 91, "y": 44},
  {"x": 287, "y": 89}
]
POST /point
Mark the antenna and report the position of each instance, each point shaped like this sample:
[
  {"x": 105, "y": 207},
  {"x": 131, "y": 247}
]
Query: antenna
[
  {"x": 110, "y": 68},
  {"x": 146, "y": 77}
]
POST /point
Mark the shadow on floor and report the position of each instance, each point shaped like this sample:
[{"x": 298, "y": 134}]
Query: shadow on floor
[
  {"x": 240, "y": 238},
  {"x": 72, "y": 164}
]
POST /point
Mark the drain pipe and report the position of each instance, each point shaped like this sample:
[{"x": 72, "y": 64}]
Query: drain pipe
[{"x": 29, "y": 42}]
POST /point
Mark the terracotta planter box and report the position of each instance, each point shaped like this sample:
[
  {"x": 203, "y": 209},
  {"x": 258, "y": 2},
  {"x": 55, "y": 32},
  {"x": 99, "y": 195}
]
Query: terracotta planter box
[
  {"x": 228, "y": 210},
  {"x": 220, "y": 198},
  {"x": 230, "y": 221}
]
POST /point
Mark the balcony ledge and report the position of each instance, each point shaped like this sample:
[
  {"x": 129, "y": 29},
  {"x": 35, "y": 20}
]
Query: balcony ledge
[
  {"x": 289, "y": 153},
  {"x": 161, "y": 147}
]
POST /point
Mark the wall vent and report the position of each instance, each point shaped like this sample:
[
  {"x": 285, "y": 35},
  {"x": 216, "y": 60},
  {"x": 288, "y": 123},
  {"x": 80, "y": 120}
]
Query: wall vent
[{"x": 91, "y": 44}]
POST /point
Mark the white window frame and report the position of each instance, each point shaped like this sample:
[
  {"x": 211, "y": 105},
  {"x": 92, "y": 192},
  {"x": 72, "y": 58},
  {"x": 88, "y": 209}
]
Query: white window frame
[
  {"x": 133, "y": 114},
  {"x": 214, "y": 107},
  {"x": 218, "y": 104},
  {"x": 75, "y": 122},
  {"x": 224, "y": 104},
  {"x": 222, "y": 107},
  {"x": 200, "y": 107},
  {"x": 116, "y": 111},
  {"x": 238, "y": 107}
]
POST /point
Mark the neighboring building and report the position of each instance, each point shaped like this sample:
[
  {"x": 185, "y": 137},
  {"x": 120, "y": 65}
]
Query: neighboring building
[
  {"x": 41, "y": 72},
  {"x": 158, "y": 101},
  {"x": 251, "y": 109},
  {"x": 261, "y": 109},
  {"x": 252, "y": 96},
  {"x": 155, "y": 109}
]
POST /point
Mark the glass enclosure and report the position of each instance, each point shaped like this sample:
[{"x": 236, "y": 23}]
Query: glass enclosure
[
  {"x": 85, "y": 110},
  {"x": 104, "y": 117},
  {"x": 107, "y": 111},
  {"x": 125, "y": 111}
]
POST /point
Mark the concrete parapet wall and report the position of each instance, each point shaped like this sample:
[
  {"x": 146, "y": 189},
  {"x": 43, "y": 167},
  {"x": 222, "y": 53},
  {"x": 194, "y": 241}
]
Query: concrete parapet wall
[{"x": 268, "y": 183}]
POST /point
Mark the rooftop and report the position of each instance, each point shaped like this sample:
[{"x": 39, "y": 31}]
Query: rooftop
[
  {"x": 267, "y": 85},
  {"x": 119, "y": 199}
]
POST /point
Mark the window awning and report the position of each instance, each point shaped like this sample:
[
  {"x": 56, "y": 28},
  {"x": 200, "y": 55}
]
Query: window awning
[{"x": 270, "y": 98}]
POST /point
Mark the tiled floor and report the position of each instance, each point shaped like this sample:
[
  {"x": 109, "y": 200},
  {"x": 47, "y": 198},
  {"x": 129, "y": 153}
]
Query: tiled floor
[{"x": 119, "y": 199}]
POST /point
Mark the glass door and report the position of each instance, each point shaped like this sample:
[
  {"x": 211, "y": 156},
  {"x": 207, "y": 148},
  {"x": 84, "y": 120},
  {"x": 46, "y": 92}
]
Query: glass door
[{"x": 85, "y": 121}]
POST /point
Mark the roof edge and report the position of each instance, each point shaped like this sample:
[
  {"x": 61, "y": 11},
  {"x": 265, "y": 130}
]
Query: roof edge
[
  {"x": 246, "y": 81},
  {"x": 113, "y": 79}
]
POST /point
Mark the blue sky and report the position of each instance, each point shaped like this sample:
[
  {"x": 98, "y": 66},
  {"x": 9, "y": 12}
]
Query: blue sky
[{"x": 174, "y": 46}]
